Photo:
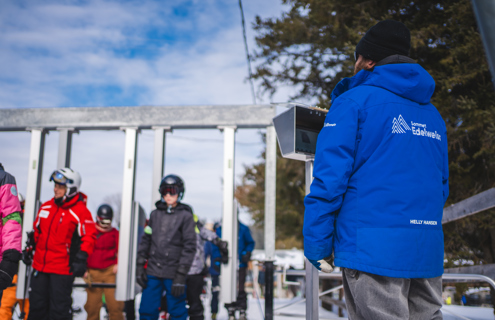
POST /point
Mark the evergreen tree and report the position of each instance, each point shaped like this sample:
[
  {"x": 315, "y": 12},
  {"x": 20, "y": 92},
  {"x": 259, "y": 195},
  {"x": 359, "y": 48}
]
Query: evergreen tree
[
  {"x": 310, "y": 47},
  {"x": 289, "y": 198}
]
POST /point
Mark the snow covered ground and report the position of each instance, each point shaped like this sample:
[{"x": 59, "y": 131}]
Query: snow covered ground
[{"x": 295, "y": 311}]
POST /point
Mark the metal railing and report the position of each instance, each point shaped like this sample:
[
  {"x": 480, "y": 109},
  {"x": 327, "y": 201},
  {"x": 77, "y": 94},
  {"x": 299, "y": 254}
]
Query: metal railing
[
  {"x": 456, "y": 277},
  {"x": 459, "y": 277}
]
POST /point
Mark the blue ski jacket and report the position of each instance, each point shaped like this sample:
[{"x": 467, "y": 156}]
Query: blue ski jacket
[
  {"x": 380, "y": 176},
  {"x": 245, "y": 243}
]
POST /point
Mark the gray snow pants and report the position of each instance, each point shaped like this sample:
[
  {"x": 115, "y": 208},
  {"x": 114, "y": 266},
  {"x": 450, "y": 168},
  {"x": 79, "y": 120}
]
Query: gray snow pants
[{"x": 373, "y": 297}]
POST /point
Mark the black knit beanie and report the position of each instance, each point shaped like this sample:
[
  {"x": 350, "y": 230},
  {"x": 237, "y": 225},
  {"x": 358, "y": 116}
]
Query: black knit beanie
[{"x": 386, "y": 38}]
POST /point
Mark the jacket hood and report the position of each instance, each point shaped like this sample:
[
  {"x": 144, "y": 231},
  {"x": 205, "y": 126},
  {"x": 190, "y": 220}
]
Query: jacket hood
[{"x": 407, "y": 80}]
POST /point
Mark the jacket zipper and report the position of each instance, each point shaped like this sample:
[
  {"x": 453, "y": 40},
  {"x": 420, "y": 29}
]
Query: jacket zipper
[{"x": 48, "y": 237}]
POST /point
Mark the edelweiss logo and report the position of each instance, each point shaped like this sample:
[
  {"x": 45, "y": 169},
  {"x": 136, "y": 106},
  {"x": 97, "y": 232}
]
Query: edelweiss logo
[{"x": 399, "y": 125}]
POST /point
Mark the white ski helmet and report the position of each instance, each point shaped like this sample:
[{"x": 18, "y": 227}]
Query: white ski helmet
[{"x": 69, "y": 178}]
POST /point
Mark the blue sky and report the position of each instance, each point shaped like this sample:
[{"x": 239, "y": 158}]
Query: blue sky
[{"x": 130, "y": 53}]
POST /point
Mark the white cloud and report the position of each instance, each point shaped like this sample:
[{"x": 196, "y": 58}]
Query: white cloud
[{"x": 64, "y": 53}]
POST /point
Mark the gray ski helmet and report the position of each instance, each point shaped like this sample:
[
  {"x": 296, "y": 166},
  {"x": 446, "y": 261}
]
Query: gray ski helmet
[
  {"x": 105, "y": 212},
  {"x": 172, "y": 180}
]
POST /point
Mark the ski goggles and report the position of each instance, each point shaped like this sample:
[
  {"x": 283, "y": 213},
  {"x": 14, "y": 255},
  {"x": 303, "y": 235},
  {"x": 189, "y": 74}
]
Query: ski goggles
[
  {"x": 170, "y": 189},
  {"x": 59, "y": 178}
]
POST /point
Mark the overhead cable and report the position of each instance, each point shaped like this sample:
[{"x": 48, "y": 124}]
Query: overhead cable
[{"x": 247, "y": 52}]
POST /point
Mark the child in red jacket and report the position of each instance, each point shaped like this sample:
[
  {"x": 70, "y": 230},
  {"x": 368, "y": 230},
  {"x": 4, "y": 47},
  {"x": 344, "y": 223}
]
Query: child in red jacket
[{"x": 102, "y": 267}]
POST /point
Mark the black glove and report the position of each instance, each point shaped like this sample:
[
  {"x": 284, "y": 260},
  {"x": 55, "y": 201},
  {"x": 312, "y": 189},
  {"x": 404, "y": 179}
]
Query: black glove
[
  {"x": 30, "y": 240},
  {"x": 141, "y": 276},
  {"x": 245, "y": 257},
  {"x": 27, "y": 256},
  {"x": 223, "y": 247},
  {"x": 27, "y": 253},
  {"x": 78, "y": 267},
  {"x": 9, "y": 267},
  {"x": 179, "y": 284},
  {"x": 216, "y": 264}
]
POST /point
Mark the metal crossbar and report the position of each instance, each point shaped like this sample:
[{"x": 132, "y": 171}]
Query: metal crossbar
[
  {"x": 94, "y": 285},
  {"x": 446, "y": 276},
  {"x": 302, "y": 300}
]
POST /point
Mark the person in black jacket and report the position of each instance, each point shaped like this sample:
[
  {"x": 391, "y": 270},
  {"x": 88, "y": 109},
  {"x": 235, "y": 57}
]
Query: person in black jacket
[{"x": 169, "y": 246}]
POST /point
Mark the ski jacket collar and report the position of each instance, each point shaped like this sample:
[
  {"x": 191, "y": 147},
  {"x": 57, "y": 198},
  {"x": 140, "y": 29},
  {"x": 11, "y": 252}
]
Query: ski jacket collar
[
  {"x": 160, "y": 205},
  {"x": 396, "y": 58},
  {"x": 407, "y": 80},
  {"x": 72, "y": 201}
]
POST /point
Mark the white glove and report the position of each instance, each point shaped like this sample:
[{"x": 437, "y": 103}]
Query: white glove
[{"x": 325, "y": 266}]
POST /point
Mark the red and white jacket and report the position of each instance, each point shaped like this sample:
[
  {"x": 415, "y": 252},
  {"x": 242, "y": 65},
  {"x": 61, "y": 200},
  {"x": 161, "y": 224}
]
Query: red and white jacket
[{"x": 60, "y": 232}]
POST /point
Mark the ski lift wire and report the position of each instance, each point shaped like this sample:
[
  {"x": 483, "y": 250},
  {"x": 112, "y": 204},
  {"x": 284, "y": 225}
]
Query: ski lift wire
[{"x": 247, "y": 52}]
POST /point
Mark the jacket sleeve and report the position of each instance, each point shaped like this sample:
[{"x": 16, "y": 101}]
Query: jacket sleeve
[
  {"x": 445, "y": 172},
  {"x": 207, "y": 249},
  {"x": 86, "y": 229},
  {"x": 36, "y": 225},
  {"x": 10, "y": 209},
  {"x": 248, "y": 240},
  {"x": 189, "y": 241},
  {"x": 145, "y": 243},
  {"x": 117, "y": 235},
  {"x": 333, "y": 165}
]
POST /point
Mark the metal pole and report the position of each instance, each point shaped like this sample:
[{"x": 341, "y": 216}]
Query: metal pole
[
  {"x": 228, "y": 277},
  {"x": 158, "y": 162},
  {"x": 125, "y": 263},
  {"x": 312, "y": 282},
  {"x": 64, "y": 147},
  {"x": 269, "y": 271},
  {"x": 270, "y": 215},
  {"x": 484, "y": 11},
  {"x": 32, "y": 196}
]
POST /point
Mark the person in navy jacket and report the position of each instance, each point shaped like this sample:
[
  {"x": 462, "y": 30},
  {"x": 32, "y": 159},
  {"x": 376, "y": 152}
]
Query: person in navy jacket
[
  {"x": 245, "y": 245},
  {"x": 380, "y": 183}
]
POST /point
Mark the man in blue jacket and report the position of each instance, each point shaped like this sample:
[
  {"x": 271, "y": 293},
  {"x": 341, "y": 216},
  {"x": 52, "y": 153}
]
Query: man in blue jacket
[{"x": 380, "y": 184}]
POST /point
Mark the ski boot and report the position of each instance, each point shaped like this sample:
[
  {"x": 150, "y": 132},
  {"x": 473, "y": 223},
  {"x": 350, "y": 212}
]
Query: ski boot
[
  {"x": 231, "y": 309},
  {"x": 76, "y": 309},
  {"x": 213, "y": 316},
  {"x": 242, "y": 315}
]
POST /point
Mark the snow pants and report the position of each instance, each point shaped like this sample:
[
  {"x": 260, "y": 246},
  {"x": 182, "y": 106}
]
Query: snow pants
[
  {"x": 215, "y": 291},
  {"x": 94, "y": 300},
  {"x": 241, "y": 292},
  {"x": 150, "y": 300},
  {"x": 50, "y": 297},
  {"x": 194, "y": 288},
  {"x": 130, "y": 310},
  {"x": 370, "y": 296},
  {"x": 8, "y": 301}
]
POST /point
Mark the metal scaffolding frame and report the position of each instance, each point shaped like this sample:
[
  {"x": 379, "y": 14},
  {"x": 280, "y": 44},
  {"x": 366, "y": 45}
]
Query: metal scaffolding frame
[{"x": 131, "y": 120}]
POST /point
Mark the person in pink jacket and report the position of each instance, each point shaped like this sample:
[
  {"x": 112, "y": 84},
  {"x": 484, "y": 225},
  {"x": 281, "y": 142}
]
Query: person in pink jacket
[{"x": 10, "y": 229}]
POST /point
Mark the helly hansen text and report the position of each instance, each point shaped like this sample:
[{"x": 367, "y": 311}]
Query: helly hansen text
[{"x": 427, "y": 222}]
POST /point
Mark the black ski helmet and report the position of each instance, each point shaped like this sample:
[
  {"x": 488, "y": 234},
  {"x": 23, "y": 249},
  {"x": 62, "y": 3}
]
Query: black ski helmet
[
  {"x": 105, "y": 212},
  {"x": 172, "y": 180}
]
